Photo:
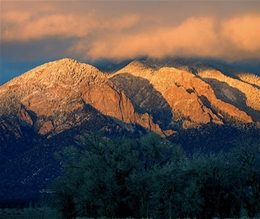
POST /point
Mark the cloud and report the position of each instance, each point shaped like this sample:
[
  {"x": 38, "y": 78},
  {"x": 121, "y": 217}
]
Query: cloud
[
  {"x": 191, "y": 36},
  {"x": 120, "y": 30},
  {"x": 19, "y": 25},
  {"x": 24, "y": 26},
  {"x": 243, "y": 32},
  {"x": 231, "y": 39}
]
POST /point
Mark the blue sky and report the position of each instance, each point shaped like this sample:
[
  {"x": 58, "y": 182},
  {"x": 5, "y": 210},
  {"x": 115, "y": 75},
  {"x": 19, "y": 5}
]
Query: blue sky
[{"x": 35, "y": 32}]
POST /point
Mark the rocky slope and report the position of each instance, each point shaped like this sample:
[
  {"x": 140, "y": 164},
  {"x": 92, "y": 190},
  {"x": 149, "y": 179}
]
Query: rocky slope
[
  {"x": 193, "y": 96},
  {"x": 160, "y": 97},
  {"x": 51, "y": 98},
  {"x": 47, "y": 108}
]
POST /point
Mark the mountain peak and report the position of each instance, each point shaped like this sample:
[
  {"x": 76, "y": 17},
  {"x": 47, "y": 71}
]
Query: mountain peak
[
  {"x": 193, "y": 91},
  {"x": 53, "y": 97},
  {"x": 66, "y": 60},
  {"x": 64, "y": 71},
  {"x": 49, "y": 106}
]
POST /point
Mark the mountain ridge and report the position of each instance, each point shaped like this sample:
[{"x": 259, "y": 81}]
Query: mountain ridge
[
  {"x": 68, "y": 84},
  {"x": 52, "y": 105},
  {"x": 137, "y": 68},
  {"x": 65, "y": 86}
]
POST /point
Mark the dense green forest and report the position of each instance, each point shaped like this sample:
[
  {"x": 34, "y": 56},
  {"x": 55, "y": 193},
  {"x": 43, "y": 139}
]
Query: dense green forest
[{"x": 151, "y": 177}]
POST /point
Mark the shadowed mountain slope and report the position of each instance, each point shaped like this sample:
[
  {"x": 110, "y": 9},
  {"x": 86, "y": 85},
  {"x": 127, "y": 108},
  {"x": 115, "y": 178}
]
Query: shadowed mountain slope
[
  {"x": 47, "y": 108},
  {"x": 196, "y": 93},
  {"x": 51, "y": 99}
]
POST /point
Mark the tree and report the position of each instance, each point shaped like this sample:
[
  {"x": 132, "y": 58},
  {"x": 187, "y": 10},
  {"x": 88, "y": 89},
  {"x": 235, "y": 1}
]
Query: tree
[
  {"x": 246, "y": 157},
  {"x": 117, "y": 177},
  {"x": 66, "y": 186},
  {"x": 95, "y": 173},
  {"x": 214, "y": 176}
]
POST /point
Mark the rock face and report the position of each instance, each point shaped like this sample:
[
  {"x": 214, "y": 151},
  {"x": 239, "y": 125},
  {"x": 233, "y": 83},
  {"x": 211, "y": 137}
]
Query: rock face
[
  {"x": 192, "y": 96},
  {"x": 161, "y": 97},
  {"x": 49, "y": 107},
  {"x": 51, "y": 98}
]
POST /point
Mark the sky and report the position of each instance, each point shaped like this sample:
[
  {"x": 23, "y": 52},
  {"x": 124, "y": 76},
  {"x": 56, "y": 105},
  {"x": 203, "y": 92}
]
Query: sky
[{"x": 35, "y": 32}]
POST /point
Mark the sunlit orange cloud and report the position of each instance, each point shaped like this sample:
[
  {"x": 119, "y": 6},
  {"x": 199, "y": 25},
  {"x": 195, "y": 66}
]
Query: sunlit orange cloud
[
  {"x": 113, "y": 34},
  {"x": 243, "y": 32},
  {"x": 25, "y": 26},
  {"x": 234, "y": 38},
  {"x": 193, "y": 36}
]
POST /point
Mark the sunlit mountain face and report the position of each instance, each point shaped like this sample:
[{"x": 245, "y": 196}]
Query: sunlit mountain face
[
  {"x": 203, "y": 105},
  {"x": 188, "y": 71}
]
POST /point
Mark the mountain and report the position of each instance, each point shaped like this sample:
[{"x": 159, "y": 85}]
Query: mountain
[
  {"x": 50, "y": 106},
  {"x": 194, "y": 94}
]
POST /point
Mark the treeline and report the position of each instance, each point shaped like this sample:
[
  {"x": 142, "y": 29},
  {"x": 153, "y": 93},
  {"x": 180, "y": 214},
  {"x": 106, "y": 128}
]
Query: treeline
[{"x": 150, "y": 177}]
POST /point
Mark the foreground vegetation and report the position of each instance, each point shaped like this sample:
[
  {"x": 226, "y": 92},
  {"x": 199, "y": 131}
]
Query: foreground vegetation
[
  {"x": 150, "y": 177},
  {"x": 30, "y": 213},
  {"x": 43, "y": 213}
]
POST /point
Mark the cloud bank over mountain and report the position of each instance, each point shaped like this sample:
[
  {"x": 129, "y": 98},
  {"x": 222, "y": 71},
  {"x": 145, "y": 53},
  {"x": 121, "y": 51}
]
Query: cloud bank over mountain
[{"x": 128, "y": 29}]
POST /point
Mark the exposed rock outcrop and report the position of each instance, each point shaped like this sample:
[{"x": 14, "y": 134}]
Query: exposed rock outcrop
[
  {"x": 51, "y": 98},
  {"x": 193, "y": 96},
  {"x": 193, "y": 104},
  {"x": 56, "y": 92}
]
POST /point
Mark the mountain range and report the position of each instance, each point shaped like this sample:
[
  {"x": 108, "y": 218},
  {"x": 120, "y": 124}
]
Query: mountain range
[{"x": 192, "y": 102}]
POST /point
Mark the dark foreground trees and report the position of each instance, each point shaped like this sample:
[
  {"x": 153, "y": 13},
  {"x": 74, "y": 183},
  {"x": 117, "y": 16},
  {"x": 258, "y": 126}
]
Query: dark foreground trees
[{"x": 150, "y": 177}]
